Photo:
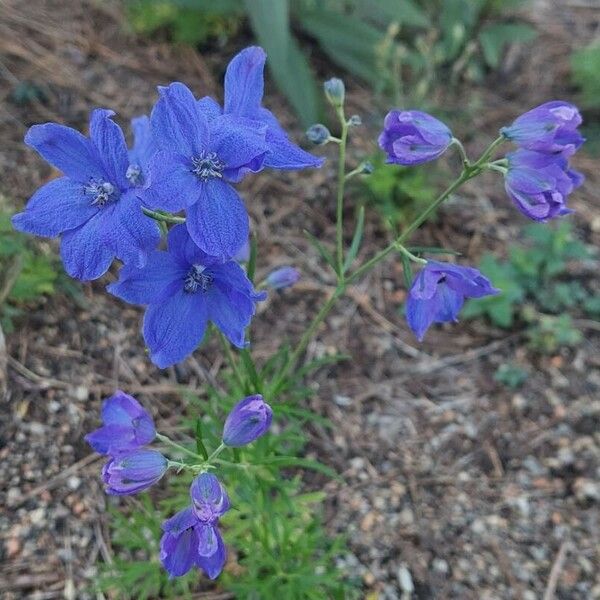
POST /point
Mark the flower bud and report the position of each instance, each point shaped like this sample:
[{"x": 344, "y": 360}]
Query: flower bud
[
  {"x": 318, "y": 134},
  {"x": 367, "y": 168},
  {"x": 282, "y": 278},
  {"x": 131, "y": 473},
  {"x": 354, "y": 121},
  {"x": 335, "y": 91},
  {"x": 248, "y": 420},
  {"x": 411, "y": 137}
]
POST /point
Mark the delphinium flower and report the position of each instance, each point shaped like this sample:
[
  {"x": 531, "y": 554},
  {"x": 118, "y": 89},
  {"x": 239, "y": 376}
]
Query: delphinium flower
[
  {"x": 282, "y": 277},
  {"x": 126, "y": 426},
  {"x": 539, "y": 178},
  {"x": 244, "y": 88},
  {"x": 438, "y": 293},
  {"x": 198, "y": 161},
  {"x": 184, "y": 289},
  {"x": 249, "y": 419},
  {"x": 95, "y": 206},
  {"x": 548, "y": 128},
  {"x": 191, "y": 537},
  {"x": 133, "y": 472},
  {"x": 142, "y": 151},
  {"x": 411, "y": 137},
  {"x": 539, "y": 183}
]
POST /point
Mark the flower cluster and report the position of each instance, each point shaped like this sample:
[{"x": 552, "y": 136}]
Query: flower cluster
[
  {"x": 191, "y": 537},
  {"x": 187, "y": 156}
]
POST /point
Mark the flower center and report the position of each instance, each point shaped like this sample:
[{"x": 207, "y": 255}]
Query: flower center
[
  {"x": 207, "y": 165},
  {"x": 102, "y": 192},
  {"x": 134, "y": 174},
  {"x": 197, "y": 278}
]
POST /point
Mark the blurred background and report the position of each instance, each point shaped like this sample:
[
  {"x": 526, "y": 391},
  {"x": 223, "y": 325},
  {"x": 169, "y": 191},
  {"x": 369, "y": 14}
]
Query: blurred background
[{"x": 470, "y": 463}]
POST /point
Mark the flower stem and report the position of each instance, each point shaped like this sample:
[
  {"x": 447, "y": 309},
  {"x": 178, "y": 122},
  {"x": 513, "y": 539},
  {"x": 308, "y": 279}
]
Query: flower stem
[
  {"x": 339, "y": 222},
  {"x": 231, "y": 360},
  {"x": 216, "y": 453},
  {"x": 165, "y": 440},
  {"x": 159, "y": 216}
]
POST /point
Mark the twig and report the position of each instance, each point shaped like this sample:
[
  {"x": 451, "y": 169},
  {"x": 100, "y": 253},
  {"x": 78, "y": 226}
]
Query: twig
[{"x": 557, "y": 567}]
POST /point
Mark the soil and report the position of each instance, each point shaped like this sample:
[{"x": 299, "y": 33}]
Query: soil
[{"x": 454, "y": 486}]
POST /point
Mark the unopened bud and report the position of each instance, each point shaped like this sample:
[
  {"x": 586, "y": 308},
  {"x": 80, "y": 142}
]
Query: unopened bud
[
  {"x": 318, "y": 134},
  {"x": 335, "y": 91},
  {"x": 367, "y": 168},
  {"x": 282, "y": 278},
  {"x": 354, "y": 121}
]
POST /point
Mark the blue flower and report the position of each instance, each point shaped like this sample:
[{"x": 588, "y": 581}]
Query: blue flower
[
  {"x": 127, "y": 426},
  {"x": 539, "y": 183},
  {"x": 282, "y": 277},
  {"x": 209, "y": 498},
  {"x": 438, "y": 293},
  {"x": 411, "y": 137},
  {"x": 133, "y": 472},
  {"x": 197, "y": 162},
  {"x": 188, "y": 542},
  {"x": 249, "y": 419},
  {"x": 142, "y": 152},
  {"x": 95, "y": 206},
  {"x": 184, "y": 289},
  {"x": 244, "y": 88},
  {"x": 549, "y": 128}
]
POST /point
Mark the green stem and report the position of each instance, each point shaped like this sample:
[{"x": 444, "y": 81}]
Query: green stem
[
  {"x": 410, "y": 255},
  {"x": 463, "y": 153},
  {"x": 165, "y": 440},
  {"x": 339, "y": 229},
  {"x": 158, "y": 216},
  {"x": 216, "y": 453},
  {"x": 231, "y": 360}
]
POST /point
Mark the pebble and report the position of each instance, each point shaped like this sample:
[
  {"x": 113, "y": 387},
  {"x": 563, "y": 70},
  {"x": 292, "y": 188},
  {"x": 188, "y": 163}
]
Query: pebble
[{"x": 405, "y": 579}]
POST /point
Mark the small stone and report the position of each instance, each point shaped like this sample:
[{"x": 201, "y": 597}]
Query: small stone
[
  {"x": 369, "y": 578},
  {"x": 343, "y": 401},
  {"x": 405, "y": 579},
  {"x": 37, "y": 516},
  {"x": 73, "y": 482},
  {"x": 13, "y": 547},
  {"x": 368, "y": 521},
  {"x": 81, "y": 393},
  {"x": 440, "y": 565}
]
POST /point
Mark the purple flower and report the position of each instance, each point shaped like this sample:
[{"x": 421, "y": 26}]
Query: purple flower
[
  {"x": 549, "y": 128},
  {"x": 244, "y": 86},
  {"x": 539, "y": 184},
  {"x": 438, "y": 292},
  {"x": 209, "y": 498},
  {"x": 188, "y": 542},
  {"x": 197, "y": 162},
  {"x": 94, "y": 206},
  {"x": 133, "y": 472},
  {"x": 282, "y": 278},
  {"x": 411, "y": 137},
  {"x": 248, "y": 420},
  {"x": 184, "y": 289},
  {"x": 127, "y": 426}
]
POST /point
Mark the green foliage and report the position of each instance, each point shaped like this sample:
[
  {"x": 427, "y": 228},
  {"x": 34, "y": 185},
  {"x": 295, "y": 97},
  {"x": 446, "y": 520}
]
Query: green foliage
[
  {"x": 585, "y": 67},
  {"x": 511, "y": 375},
  {"x": 393, "y": 45},
  {"x": 533, "y": 283},
  {"x": 399, "y": 193},
  {"x": 26, "y": 272},
  {"x": 277, "y": 543}
]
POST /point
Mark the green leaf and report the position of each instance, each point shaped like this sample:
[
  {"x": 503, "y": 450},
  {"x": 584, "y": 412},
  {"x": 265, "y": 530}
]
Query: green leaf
[
  {"x": 288, "y": 65},
  {"x": 585, "y": 66},
  {"x": 251, "y": 370},
  {"x": 431, "y": 250},
  {"x": 251, "y": 269},
  {"x": 200, "y": 448},
  {"x": 325, "y": 254},
  {"x": 494, "y": 39},
  {"x": 356, "y": 239},
  {"x": 404, "y": 12},
  {"x": 305, "y": 463},
  {"x": 407, "y": 271}
]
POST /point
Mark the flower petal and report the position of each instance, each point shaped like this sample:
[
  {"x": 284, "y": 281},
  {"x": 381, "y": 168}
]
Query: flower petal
[
  {"x": 82, "y": 251},
  {"x": 174, "y": 328},
  {"x": 67, "y": 150},
  {"x": 178, "y": 125},
  {"x": 213, "y": 565},
  {"x": 184, "y": 250},
  {"x": 178, "y": 554},
  {"x": 244, "y": 84},
  {"x": 144, "y": 146},
  {"x": 218, "y": 222},
  {"x": 57, "y": 206},
  {"x": 109, "y": 140}
]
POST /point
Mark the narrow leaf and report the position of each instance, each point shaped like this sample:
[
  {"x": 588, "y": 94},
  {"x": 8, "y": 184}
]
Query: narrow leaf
[
  {"x": 325, "y": 254},
  {"x": 406, "y": 271},
  {"x": 305, "y": 463},
  {"x": 356, "y": 240},
  {"x": 200, "y": 448}
]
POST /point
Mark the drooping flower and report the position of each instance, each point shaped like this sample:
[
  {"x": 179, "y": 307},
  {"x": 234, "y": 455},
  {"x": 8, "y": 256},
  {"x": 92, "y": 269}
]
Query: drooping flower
[
  {"x": 209, "y": 498},
  {"x": 411, "y": 137},
  {"x": 438, "y": 293},
  {"x": 539, "y": 183},
  {"x": 197, "y": 161},
  {"x": 127, "y": 426},
  {"x": 184, "y": 289},
  {"x": 249, "y": 419},
  {"x": 133, "y": 472},
  {"x": 189, "y": 542},
  {"x": 549, "y": 128},
  {"x": 95, "y": 206},
  {"x": 244, "y": 88},
  {"x": 283, "y": 277}
]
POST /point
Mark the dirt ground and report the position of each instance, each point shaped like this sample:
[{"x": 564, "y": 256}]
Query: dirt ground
[{"x": 451, "y": 481}]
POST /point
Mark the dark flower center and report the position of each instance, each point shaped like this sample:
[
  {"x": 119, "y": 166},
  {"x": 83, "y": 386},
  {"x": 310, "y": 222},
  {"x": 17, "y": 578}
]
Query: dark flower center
[
  {"x": 197, "y": 278},
  {"x": 207, "y": 165},
  {"x": 102, "y": 192},
  {"x": 134, "y": 174}
]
